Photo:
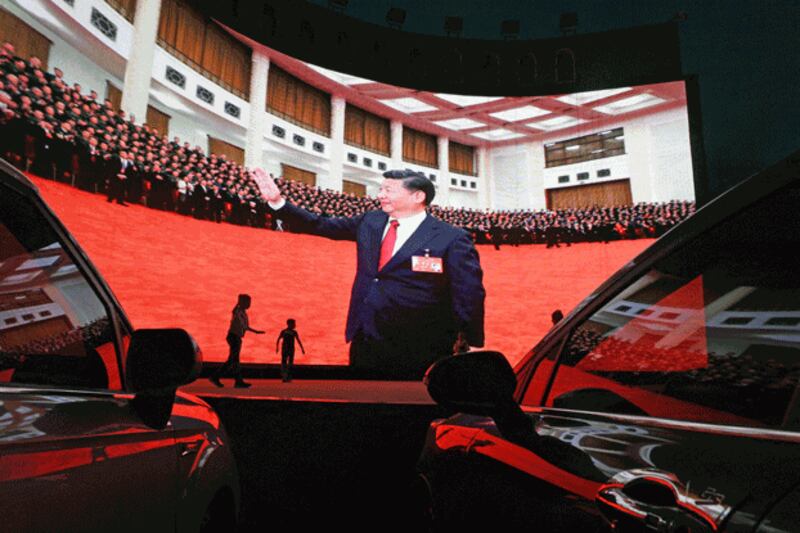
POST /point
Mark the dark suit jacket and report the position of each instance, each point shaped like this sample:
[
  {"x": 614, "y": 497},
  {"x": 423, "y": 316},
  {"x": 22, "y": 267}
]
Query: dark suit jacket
[
  {"x": 397, "y": 301},
  {"x": 112, "y": 167}
]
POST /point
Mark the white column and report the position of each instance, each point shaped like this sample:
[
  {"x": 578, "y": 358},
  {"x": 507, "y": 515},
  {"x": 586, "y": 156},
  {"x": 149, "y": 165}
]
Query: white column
[
  {"x": 139, "y": 70},
  {"x": 254, "y": 143},
  {"x": 537, "y": 197},
  {"x": 397, "y": 145},
  {"x": 640, "y": 158},
  {"x": 485, "y": 180},
  {"x": 333, "y": 180},
  {"x": 443, "y": 177}
]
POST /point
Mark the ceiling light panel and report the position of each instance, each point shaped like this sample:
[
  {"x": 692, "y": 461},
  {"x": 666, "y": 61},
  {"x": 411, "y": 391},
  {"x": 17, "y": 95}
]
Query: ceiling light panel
[
  {"x": 626, "y": 105},
  {"x": 497, "y": 135},
  {"x": 556, "y": 123},
  {"x": 408, "y": 105},
  {"x": 459, "y": 123},
  {"x": 519, "y": 113}
]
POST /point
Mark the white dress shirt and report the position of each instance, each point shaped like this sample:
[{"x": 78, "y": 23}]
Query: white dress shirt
[{"x": 405, "y": 229}]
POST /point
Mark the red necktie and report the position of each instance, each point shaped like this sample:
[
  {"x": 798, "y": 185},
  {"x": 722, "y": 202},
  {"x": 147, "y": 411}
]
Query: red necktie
[{"x": 387, "y": 246}]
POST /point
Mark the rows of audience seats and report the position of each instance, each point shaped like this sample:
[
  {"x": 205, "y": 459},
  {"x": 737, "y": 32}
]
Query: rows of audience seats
[{"x": 57, "y": 131}]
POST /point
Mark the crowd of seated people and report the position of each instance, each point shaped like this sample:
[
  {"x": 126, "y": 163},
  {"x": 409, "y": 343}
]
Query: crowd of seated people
[{"x": 54, "y": 130}]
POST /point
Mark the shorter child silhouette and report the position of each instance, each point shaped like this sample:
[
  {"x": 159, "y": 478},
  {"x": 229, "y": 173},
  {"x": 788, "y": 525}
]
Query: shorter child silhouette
[{"x": 288, "y": 336}]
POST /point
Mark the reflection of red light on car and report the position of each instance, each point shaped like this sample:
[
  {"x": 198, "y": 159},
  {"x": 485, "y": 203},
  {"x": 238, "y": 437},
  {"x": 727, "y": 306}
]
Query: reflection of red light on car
[
  {"x": 195, "y": 411},
  {"x": 33, "y": 465},
  {"x": 108, "y": 354},
  {"x": 653, "y": 403},
  {"x": 610, "y": 494},
  {"x": 450, "y": 437},
  {"x": 121, "y": 450}
]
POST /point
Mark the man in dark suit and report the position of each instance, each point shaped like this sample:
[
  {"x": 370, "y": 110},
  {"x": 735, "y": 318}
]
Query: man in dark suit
[
  {"x": 217, "y": 204},
  {"x": 201, "y": 200},
  {"x": 117, "y": 168},
  {"x": 418, "y": 289},
  {"x": 90, "y": 162}
]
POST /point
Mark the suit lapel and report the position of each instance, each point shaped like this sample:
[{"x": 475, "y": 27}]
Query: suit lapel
[
  {"x": 375, "y": 237},
  {"x": 425, "y": 232}
]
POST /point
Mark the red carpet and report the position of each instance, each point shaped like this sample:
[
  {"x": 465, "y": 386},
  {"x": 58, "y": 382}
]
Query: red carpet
[{"x": 170, "y": 270}]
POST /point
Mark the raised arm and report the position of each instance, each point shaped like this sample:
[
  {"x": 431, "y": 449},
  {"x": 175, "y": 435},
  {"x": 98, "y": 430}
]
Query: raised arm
[{"x": 333, "y": 228}]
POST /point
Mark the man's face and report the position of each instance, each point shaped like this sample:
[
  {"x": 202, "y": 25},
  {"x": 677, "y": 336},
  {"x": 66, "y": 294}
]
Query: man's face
[{"x": 395, "y": 198}]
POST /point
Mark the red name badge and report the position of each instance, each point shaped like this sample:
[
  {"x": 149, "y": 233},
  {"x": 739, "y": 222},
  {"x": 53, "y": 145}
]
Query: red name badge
[{"x": 431, "y": 265}]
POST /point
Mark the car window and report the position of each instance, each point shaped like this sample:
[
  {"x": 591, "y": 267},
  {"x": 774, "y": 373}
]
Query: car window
[
  {"x": 710, "y": 333},
  {"x": 54, "y": 330}
]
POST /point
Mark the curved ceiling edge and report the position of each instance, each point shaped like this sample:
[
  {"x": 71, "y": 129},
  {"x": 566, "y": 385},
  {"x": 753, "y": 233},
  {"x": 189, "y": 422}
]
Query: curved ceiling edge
[{"x": 646, "y": 54}]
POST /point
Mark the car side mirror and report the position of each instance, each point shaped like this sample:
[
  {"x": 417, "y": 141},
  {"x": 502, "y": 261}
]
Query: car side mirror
[
  {"x": 162, "y": 359},
  {"x": 483, "y": 383},
  {"x": 480, "y": 383},
  {"x": 159, "y": 361}
]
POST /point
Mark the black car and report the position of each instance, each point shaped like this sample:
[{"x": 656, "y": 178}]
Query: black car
[
  {"x": 93, "y": 436},
  {"x": 668, "y": 400}
]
